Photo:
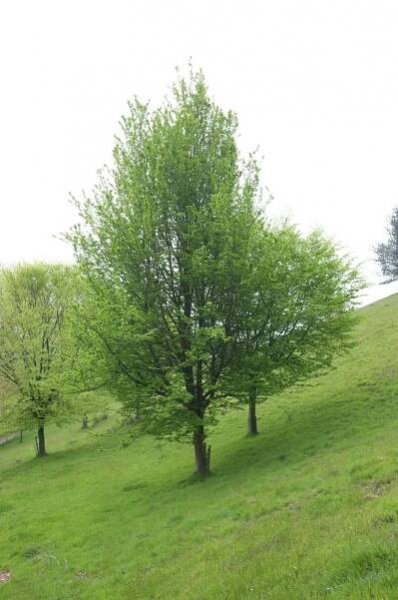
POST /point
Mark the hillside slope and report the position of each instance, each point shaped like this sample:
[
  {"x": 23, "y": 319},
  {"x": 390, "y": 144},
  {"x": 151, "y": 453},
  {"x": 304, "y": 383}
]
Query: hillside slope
[{"x": 308, "y": 509}]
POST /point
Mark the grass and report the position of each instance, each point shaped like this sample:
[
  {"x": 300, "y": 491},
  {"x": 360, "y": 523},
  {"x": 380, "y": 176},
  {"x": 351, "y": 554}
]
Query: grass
[{"x": 308, "y": 509}]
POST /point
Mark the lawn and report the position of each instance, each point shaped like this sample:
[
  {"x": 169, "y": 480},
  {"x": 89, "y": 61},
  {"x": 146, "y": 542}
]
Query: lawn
[{"x": 307, "y": 509}]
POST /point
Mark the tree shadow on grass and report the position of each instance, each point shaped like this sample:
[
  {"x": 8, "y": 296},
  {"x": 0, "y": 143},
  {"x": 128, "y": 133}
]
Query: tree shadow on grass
[
  {"x": 334, "y": 421},
  {"x": 34, "y": 464},
  {"x": 292, "y": 429}
]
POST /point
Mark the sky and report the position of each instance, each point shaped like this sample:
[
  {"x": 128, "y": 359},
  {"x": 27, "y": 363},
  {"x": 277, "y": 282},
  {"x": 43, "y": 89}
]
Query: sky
[{"x": 314, "y": 84}]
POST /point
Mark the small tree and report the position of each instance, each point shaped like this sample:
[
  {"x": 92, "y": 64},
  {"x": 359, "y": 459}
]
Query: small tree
[
  {"x": 387, "y": 252},
  {"x": 166, "y": 245},
  {"x": 38, "y": 349},
  {"x": 300, "y": 316}
]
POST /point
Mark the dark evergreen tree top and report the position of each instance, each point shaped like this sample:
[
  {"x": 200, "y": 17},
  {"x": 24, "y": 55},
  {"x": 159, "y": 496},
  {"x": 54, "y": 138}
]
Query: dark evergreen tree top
[{"x": 387, "y": 252}]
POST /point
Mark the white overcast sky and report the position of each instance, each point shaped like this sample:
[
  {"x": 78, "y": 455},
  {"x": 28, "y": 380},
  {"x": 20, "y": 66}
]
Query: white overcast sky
[{"x": 314, "y": 83}]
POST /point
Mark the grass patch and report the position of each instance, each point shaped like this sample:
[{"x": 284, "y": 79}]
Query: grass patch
[{"x": 307, "y": 509}]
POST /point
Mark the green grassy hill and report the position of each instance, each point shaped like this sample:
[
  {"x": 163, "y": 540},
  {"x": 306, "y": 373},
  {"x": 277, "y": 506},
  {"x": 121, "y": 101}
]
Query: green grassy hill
[{"x": 308, "y": 509}]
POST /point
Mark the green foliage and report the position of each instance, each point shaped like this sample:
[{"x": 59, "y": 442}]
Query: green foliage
[
  {"x": 195, "y": 298},
  {"x": 165, "y": 244},
  {"x": 307, "y": 510},
  {"x": 40, "y": 356},
  {"x": 11, "y": 419},
  {"x": 301, "y": 313}
]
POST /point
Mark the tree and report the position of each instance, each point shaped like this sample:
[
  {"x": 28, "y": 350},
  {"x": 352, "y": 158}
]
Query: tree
[
  {"x": 38, "y": 351},
  {"x": 387, "y": 252},
  {"x": 300, "y": 316},
  {"x": 195, "y": 300},
  {"x": 165, "y": 243}
]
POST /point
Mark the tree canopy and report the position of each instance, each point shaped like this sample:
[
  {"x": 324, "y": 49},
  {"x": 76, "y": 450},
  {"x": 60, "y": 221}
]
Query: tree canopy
[
  {"x": 299, "y": 316},
  {"x": 39, "y": 352},
  {"x": 169, "y": 231},
  {"x": 387, "y": 252},
  {"x": 189, "y": 284}
]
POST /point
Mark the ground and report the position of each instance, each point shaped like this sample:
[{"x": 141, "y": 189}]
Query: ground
[{"x": 308, "y": 509}]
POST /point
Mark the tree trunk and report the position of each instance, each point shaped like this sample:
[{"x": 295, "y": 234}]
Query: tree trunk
[
  {"x": 85, "y": 422},
  {"x": 251, "y": 416},
  {"x": 202, "y": 454},
  {"x": 41, "y": 441},
  {"x": 20, "y": 436}
]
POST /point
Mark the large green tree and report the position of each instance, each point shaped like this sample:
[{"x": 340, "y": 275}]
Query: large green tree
[
  {"x": 40, "y": 356},
  {"x": 196, "y": 301},
  {"x": 299, "y": 317},
  {"x": 166, "y": 243}
]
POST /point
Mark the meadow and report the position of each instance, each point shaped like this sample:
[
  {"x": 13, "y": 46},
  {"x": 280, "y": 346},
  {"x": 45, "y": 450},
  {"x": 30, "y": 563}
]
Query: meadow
[{"x": 307, "y": 509}]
